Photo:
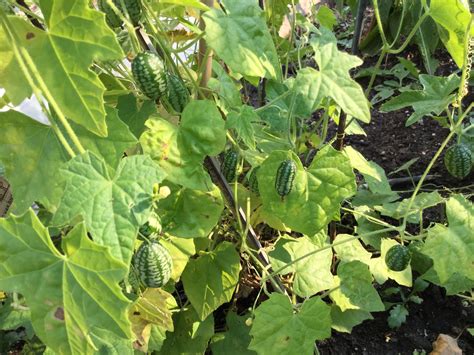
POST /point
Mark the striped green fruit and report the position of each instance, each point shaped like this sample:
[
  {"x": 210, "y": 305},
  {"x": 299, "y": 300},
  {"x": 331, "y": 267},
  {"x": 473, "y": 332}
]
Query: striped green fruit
[
  {"x": 148, "y": 71},
  {"x": 229, "y": 165},
  {"x": 253, "y": 182},
  {"x": 153, "y": 264},
  {"x": 177, "y": 94},
  {"x": 457, "y": 160},
  {"x": 398, "y": 257},
  {"x": 285, "y": 177},
  {"x": 134, "y": 9}
]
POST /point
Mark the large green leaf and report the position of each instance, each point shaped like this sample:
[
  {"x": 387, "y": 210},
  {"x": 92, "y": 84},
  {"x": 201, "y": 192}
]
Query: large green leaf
[
  {"x": 434, "y": 97},
  {"x": 332, "y": 79},
  {"x": 190, "y": 213},
  {"x": 180, "y": 150},
  {"x": 236, "y": 340},
  {"x": 313, "y": 273},
  {"x": 241, "y": 38},
  {"x": 112, "y": 206},
  {"x": 76, "y": 36},
  {"x": 76, "y": 304},
  {"x": 190, "y": 336},
  {"x": 317, "y": 192},
  {"x": 453, "y": 17},
  {"x": 32, "y": 156},
  {"x": 344, "y": 321},
  {"x": 452, "y": 247},
  {"x": 210, "y": 280},
  {"x": 355, "y": 288},
  {"x": 278, "y": 329}
]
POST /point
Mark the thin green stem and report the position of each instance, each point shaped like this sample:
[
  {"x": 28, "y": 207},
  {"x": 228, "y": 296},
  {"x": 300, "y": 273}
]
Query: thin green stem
[
  {"x": 431, "y": 164},
  {"x": 374, "y": 74}
]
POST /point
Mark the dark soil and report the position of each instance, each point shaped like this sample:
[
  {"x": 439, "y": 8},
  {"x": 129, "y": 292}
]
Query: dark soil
[{"x": 436, "y": 315}]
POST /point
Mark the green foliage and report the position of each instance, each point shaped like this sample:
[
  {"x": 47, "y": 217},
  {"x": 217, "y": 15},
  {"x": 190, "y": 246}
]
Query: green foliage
[
  {"x": 330, "y": 174},
  {"x": 451, "y": 248},
  {"x": 62, "y": 59},
  {"x": 210, "y": 280},
  {"x": 433, "y": 99},
  {"x": 180, "y": 150},
  {"x": 109, "y": 165},
  {"x": 123, "y": 197},
  {"x": 242, "y": 23},
  {"x": 278, "y": 329},
  {"x": 70, "y": 295}
]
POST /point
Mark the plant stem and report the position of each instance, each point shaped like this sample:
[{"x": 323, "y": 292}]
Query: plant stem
[{"x": 432, "y": 162}]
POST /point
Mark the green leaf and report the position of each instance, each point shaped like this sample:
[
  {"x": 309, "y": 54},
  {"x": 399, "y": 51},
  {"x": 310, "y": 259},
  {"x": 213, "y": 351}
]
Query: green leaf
[
  {"x": 278, "y": 329},
  {"x": 236, "y": 340},
  {"x": 34, "y": 173},
  {"x": 76, "y": 304},
  {"x": 332, "y": 79},
  {"x": 190, "y": 336},
  {"x": 326, "y": 17},
  {"x": 210, "y": 280},
  {"x": 241, "y": 38},
  {"x": 320, "y": 189},
  {"x": 381, "y": 272},
  {"x": 398, "y": 316},
  {"x": 350, "y": 250},
  {"x": 112, "y": 147},
  {"x": 397, "y": 210},
  {"x": 112, "y": 206},
  {"x": 180, "y": 150},
  {"x": 190, "y": 213},
  {"x": 227, "y": 88},
  {"x": 180, "y": 250},
  {"x": 453, "y": 17},
  {"x": 242, "y": 123},
  {"x": 133, "y": 115},
  {"x": 313, "y": 273},
  {"x": 433, "y": 99},
  {"x": 355, "y": 288},
  {"x": 344, "y": 321},
  {"x": 452, "y": 247},
  {"x": 62, "y": 58}
]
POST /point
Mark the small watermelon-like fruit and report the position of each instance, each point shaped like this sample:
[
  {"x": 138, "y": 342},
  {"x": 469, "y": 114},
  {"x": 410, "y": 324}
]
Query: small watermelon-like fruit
[
  {"x": 148, "y": 71},
  {"x": 398, "y": 257},
  {"x": 153, "y": 264},
  {"x": 457, "y": 160},
  {"x": 134, "y": 9},
  {"x": 177, "y": 94},
  {"x": 253, "y": 182},
  {"x": 285, "y": 177},
  {"x": 229, "y": 165}
]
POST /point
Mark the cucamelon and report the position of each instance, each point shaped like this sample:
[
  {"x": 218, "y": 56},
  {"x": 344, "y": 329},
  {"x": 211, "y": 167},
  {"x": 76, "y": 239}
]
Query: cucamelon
[
  {"x": 285, "y": 177},
  {"x": 153, "y": 263},
  {"x": 148, "y": 71}
]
